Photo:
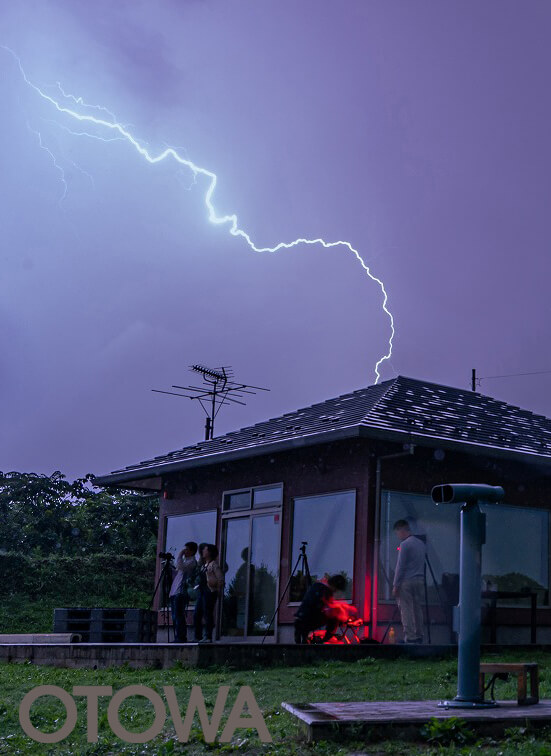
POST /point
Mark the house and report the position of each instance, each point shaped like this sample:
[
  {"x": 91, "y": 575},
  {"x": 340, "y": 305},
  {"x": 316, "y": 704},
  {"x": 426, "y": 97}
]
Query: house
[{"x": 337, "y": 475}]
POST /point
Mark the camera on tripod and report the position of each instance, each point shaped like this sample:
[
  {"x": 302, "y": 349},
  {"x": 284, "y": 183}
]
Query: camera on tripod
[{"x": 166, "y": 555}]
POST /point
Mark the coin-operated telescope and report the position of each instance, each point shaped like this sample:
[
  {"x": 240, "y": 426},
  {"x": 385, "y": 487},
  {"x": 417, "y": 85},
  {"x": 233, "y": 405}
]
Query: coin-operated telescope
[{"x": 473, "y": 536}]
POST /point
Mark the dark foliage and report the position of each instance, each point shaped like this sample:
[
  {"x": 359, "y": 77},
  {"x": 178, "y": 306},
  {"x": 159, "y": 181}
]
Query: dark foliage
[
  {"x": 46, "y": 515},
  {"x": 74, "y": 579}
]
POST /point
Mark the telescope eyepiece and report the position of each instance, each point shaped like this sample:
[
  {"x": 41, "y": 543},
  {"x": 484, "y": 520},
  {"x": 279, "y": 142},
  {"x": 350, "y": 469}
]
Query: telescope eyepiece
[{"x": 466, "y": 493}]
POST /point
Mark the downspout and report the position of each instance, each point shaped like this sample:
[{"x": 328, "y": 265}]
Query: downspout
[{"x": 377, "y": 538}]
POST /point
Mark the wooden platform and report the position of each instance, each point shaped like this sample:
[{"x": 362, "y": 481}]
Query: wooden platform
[{"x": 404, "y": 719}]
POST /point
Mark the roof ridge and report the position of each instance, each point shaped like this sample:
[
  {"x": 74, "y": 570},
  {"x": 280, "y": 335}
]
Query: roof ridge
[
  {"x": 479, "y": 395},
  {"x": 392, "y": 382},
  {"x": 399, "y": 405}
]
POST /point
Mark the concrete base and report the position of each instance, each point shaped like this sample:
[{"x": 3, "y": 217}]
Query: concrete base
[
  {"x": 403, "y": 720},
  {"x": 30, "y": 638},
  {"x": 234, "y": 655}
]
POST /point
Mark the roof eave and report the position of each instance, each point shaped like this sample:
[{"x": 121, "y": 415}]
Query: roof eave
[
  {"x": 155, "y": 471},
  {"x": 461, "y": 445}
]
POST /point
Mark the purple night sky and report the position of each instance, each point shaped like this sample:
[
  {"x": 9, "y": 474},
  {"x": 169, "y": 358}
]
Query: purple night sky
[{"x": 418, "y": 131}]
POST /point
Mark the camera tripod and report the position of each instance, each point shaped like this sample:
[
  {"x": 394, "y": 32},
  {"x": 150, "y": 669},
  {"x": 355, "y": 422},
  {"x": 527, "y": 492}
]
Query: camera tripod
[
  {"x": 302, "y": 560},
  {"x": 164, "y": 583}
]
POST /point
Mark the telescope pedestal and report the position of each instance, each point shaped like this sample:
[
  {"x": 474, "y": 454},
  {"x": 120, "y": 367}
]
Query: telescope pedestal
[
  {"x": 457, "y": 703},
  {"x": 473, "y": 535}
]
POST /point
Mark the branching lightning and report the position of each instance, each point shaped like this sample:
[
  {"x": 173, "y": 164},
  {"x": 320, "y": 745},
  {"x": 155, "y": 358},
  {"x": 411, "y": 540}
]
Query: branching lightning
[
  {"x": 59, "y": 168},
  {"x": 77, "y": 100},
  {"x": 88, "y": 134},
  {"x": 111, "y": 126}
]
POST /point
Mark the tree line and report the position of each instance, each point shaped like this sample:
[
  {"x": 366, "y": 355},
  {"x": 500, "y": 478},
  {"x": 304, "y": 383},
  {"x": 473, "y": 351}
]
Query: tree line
[{"x": 47, "y": 515}]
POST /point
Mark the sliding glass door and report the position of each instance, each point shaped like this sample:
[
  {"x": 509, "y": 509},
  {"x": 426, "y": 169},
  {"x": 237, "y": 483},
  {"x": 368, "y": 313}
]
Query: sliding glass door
[{"x": 250, "y": 558}]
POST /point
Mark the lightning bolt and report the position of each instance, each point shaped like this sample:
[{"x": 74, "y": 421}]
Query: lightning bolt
[
  {"x": 110, "y": 125},
  {"x": 57, "y": 166}
]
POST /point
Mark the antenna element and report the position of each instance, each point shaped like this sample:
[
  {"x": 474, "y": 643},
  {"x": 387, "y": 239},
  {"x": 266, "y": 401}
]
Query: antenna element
[{"x": 218, "y": 389}]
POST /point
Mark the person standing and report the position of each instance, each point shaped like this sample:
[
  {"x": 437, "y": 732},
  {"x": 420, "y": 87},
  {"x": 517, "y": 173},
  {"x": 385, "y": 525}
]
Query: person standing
[
  {"x": 211, "y": 584},
  {"x": 186, "y": 569},
  {"x": 409, "y": 581}
]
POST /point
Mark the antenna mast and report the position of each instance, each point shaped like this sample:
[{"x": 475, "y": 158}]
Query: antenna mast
[{"x": 218, "y": 389}]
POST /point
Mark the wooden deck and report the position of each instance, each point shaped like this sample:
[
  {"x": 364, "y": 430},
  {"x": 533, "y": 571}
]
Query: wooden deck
[{"x": 404, "y": 719}]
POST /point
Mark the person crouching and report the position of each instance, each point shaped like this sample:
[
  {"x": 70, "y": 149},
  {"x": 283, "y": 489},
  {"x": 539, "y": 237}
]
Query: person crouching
[{"x": 313, "y": 611}]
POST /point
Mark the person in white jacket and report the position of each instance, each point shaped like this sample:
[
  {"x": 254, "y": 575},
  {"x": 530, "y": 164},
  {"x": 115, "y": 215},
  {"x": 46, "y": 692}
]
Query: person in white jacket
[
  {"x": 409, "y": 581},
  {"x": 186, "y": 571}
]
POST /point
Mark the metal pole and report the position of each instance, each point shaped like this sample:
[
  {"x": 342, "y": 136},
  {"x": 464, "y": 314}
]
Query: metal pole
[
  {"x": 213, "y": 411},
  {"x": 473, "y": 535},
  {"x": 473, "y": 380},
  {"x": 472, "y": 538},
  {"x": 427, "y": 600}
]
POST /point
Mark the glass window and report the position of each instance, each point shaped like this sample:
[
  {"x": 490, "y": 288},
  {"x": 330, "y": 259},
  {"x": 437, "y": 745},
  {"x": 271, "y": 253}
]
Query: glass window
[
  {"x": 251, "y": 564},
  {"x": 197, "y": 526},
  {"x": 514, "y": 557},
  {"x": 327, "y": 524},
  {"x": 264, "y": 569},
  {"x": 516, "y": 553},
  {"x": 267, "y": 497},
  {"x": 235, "y": 537},
  {"x": 263, "y": 496},
  {"x": 239, "y": 500},
  {"x": 438, "y": 526}
]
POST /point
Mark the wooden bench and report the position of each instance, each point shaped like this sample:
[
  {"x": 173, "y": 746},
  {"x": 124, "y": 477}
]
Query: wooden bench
[{"x": 521, "y": 671}]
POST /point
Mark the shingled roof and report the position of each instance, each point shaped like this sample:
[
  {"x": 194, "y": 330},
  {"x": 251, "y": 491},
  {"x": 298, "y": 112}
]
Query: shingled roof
[{"x": 401, "y": 408}]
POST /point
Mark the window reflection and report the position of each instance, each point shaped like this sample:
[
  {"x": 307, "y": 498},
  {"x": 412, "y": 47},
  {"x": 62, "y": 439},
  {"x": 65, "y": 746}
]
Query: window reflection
[
  {"x": 267, "y": 497},
  {"x": 437, "y": 525},
  {"x": 514, "y": 557},
  {"x": 263, "y": 574},
  {"x": 197, "y": 526},
  {"x": 327, "y": 524},
  {"x": 235, "y": 538},
  {"x": 239, "y": 500}
]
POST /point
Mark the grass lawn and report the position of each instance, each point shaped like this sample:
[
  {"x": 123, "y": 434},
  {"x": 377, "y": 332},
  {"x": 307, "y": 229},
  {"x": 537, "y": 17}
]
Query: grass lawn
[{"x": 364, "y": 680}]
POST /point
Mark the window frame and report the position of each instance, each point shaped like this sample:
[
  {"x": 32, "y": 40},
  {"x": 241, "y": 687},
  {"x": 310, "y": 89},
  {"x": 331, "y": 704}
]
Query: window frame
[
  {"x": 250, "y": 490},
  {"x": 250, "y": 512}
]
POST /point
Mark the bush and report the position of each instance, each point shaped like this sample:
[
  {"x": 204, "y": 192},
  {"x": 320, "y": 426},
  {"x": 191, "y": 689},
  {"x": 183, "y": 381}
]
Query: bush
[
  {"x": 66, "y": 544},
  {"x": 447, "y": 731},
  {"x": 75, "y": 578}
]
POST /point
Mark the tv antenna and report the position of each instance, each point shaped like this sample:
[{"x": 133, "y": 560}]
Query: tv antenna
[{"x": 218, "y": 389}]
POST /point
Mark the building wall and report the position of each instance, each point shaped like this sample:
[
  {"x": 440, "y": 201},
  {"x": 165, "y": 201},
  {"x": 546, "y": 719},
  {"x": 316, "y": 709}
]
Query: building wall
[
  {"x": 524, "y": 486},
  {"x": 303, "y": 472},
  {"x": 307, "y": 471}
]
